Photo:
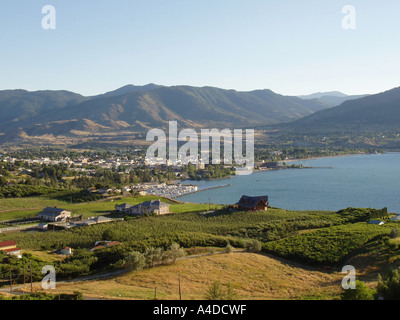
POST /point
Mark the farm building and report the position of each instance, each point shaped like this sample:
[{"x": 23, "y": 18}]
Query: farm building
[
  {"x": 42, "y": 226},
  {"x": 54, "y": 214},
  {"x": 247, "y": 203},
  {"x": 58, "y": 226},
  {"x": 102, "y": 219},
  {"x": 10, "y": 247}
]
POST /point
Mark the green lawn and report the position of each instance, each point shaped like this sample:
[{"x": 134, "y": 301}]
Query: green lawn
[
  {"x": 30, "y": 207},
  {"x": 19, "y": 204}
]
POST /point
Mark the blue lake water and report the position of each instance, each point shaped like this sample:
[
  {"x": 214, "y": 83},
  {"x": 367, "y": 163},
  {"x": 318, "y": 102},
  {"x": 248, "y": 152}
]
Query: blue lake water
[{"x": 352, "y": 181}]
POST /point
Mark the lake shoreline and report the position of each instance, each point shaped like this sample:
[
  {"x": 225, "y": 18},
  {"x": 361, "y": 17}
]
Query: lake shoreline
[
  {"x": 201, "y": 190},
  {"x": 324, "y": 157},
  {"x": 356, "y": 180}
]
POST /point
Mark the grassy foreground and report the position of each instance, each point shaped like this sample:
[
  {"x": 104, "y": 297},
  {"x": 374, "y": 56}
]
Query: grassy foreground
[{"x": 253, "y": 276}]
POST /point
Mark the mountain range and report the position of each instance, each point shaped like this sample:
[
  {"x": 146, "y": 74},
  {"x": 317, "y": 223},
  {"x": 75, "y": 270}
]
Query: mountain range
[
  {"x": 334, "y": 98},
  {"x": 122, "y": 115},
  {"x": 370, "y": 113},
  {"x": 30, "y": 115}
]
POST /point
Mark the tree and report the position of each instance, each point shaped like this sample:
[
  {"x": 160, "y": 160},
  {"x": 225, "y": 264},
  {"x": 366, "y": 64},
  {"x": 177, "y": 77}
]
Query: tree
[
  {"x": 361, "y": 292},
  {"x": 389, "y": 288},
  {"x": 153, "y": 255},
  {"x": 228, "y": 248},
  {"x": 254, "y": 246},
  {"x": 3, "y": 180},
  {"x": 230, "y": 293},
  {"x": 136, "y": 260},
  {"x": 217, "y": 292},
  {"x": 394, "y": 233},
  {"x": 108, "y": 235},
  {"x": 175, "y": 251}
]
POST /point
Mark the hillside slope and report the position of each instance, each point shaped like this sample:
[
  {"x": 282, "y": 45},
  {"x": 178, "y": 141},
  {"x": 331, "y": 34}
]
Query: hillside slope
[
  {"x": 376, "y": 112},
  {"x": 137, "y": 109},
  {"x": 252, "y": 276}
]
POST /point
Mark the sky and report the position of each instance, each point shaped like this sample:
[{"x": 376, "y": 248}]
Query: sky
[{"x": 291, "y": 47}]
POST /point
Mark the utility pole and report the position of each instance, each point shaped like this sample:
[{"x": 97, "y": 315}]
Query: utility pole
[
  {"x": 180, "y": 292},
  {"x": 30, "y": 266},
  {"x": 23, "y": 266},
  {"x": 11, "y": 281}
]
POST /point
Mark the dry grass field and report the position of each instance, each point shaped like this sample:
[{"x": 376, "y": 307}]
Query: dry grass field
[{"x": 253, "y": 276}]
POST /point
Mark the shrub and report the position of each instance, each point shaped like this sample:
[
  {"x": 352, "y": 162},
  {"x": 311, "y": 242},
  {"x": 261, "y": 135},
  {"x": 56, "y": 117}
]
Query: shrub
[
  {"x": 394, "y": 233},
  {"x": 228, "y": 248},
  {"x": 254, "y": 246},
  {"x": 153, "y": 256},
  {"x": 361, "y": 292},
  {"x": 217, "y": 292},
  {"x": 175, "y": 251},
  {"x": 136, "y": 260},
  {"x": 389, "y": 288}
]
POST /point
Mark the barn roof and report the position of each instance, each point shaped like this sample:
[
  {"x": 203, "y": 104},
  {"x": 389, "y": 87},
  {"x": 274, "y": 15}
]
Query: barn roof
[
  {"x": 250, "y": 202},
  {"x": 7, "y": 244}
]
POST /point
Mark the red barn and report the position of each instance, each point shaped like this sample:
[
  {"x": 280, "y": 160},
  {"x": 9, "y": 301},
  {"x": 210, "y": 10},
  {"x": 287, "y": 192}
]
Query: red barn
[{"x": 10, "y": 247}]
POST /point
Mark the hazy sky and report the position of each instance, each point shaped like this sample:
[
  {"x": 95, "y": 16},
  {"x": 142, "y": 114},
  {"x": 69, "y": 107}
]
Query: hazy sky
[{"x": 289, "y": 46}]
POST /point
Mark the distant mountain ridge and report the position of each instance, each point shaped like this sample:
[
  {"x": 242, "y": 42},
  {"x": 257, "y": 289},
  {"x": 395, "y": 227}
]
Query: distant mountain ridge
[
  {"x": 138, "y": 108},
  {"x": 126, "y": 114},
  {"x": 319, "y": 95},
  {"x": 378, "y": 112},
  {"x": 19, "y": 105},
  {"x": 334, "y": 98}
]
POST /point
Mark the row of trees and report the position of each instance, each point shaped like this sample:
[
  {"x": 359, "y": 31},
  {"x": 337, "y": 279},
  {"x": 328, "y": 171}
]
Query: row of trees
[
  {"x": 212, "y": 171},
  {"x": 152, "y": 256},
  {"x": 280, "y": 153}
]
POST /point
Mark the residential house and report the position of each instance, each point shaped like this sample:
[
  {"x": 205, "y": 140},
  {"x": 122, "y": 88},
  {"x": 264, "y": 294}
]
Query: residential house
[
  {"x": 104, "y": 191},
  {"x": 377, "y": 222},
  {"x": 248, "y": 203},
  {"x": 268, "y": 165},
  {"x": 10, "y": 247},
  {"x": 123, "y": 207},
  {"x": 54, "y": 214},
  {"x": 91, "y": 190},
  {"x": 66, "y": 251},
  {"x": 105, "y": 244},
  {"x": 150, "y": 207}
]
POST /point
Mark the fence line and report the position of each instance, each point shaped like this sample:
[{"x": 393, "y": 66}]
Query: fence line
[{"x": 2, "y": 230}]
